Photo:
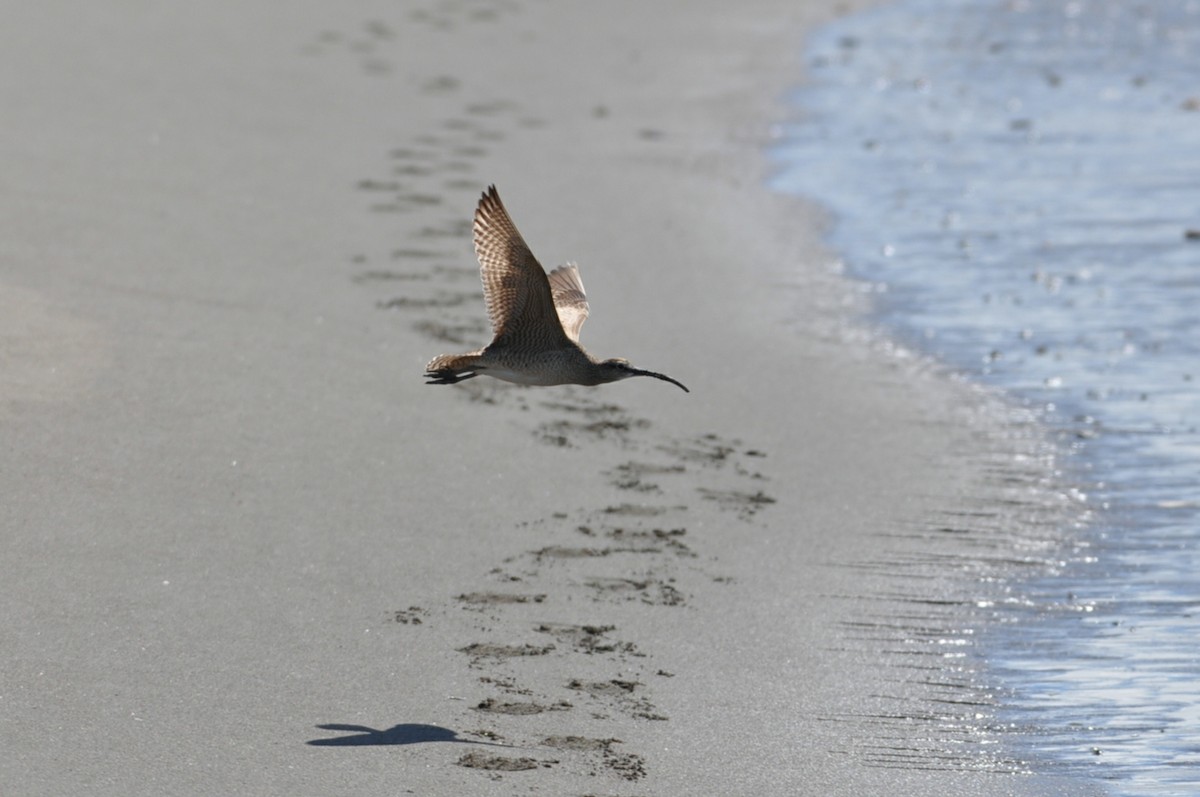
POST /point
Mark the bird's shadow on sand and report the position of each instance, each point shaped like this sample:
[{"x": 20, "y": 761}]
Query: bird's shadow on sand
[{"x": 405, "y": 733}]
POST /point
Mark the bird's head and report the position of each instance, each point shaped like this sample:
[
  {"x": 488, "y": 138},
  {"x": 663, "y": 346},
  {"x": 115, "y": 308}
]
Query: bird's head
[{"x": 618, "y": 368}]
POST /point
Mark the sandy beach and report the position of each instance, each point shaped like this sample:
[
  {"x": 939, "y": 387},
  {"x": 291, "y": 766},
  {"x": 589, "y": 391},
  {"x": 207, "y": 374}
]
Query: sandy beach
[{"x": 249, "y": 551}]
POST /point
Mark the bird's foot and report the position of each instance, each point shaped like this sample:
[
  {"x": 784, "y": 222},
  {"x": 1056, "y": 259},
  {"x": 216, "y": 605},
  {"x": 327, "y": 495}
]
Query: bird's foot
[{"x": 447, "y": 376}]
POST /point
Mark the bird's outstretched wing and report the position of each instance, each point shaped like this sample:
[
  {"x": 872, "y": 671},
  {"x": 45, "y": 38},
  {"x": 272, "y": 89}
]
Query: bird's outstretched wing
[
  {"x": 569, "y": 299},
  {"x": 515, "y": 287}
]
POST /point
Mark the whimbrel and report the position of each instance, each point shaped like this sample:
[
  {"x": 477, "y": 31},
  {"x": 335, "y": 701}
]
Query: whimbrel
[{"x": 536, "y": 317}]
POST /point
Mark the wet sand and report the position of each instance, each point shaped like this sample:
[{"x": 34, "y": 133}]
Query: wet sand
[{"x": 249, "y": 551}]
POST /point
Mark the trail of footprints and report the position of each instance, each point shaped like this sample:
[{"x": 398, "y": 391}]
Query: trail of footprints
[
  {"x": 634, "y": 553},
  {"x": 375, "y": 43}
]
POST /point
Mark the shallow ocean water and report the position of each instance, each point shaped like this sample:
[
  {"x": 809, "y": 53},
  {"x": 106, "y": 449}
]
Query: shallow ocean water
[{"x": 1019, "y": 184}]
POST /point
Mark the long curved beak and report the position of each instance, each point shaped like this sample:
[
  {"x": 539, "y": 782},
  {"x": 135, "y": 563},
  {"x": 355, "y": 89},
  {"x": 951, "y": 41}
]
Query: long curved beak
[{"x": 663, "y": 377}]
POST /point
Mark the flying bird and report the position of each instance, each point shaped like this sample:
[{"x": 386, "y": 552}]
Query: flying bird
[{"x": 536, "y": 317}]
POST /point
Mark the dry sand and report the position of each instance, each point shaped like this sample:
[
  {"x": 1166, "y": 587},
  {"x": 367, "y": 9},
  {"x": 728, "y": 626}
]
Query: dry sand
[{"x": 248, "y": 551}]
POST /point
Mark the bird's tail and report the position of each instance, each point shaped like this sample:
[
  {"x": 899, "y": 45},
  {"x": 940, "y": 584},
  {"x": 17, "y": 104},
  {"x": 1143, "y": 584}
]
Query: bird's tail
[{"x": 446, "y": 369}]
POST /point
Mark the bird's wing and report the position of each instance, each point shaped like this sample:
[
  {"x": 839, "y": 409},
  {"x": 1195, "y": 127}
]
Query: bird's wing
[
  {"x": 569, "y": 299},
  {"x": 515, "y": 286}
]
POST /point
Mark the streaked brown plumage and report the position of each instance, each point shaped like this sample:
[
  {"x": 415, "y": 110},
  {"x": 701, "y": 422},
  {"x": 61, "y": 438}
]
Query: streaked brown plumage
[{"x": 535, "y": 317}]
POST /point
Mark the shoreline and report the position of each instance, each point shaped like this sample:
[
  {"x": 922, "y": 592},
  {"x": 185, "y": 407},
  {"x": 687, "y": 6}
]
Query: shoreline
[
  {"x": 1082, "y": 698},
  {"x": 250, "y": 534}
]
